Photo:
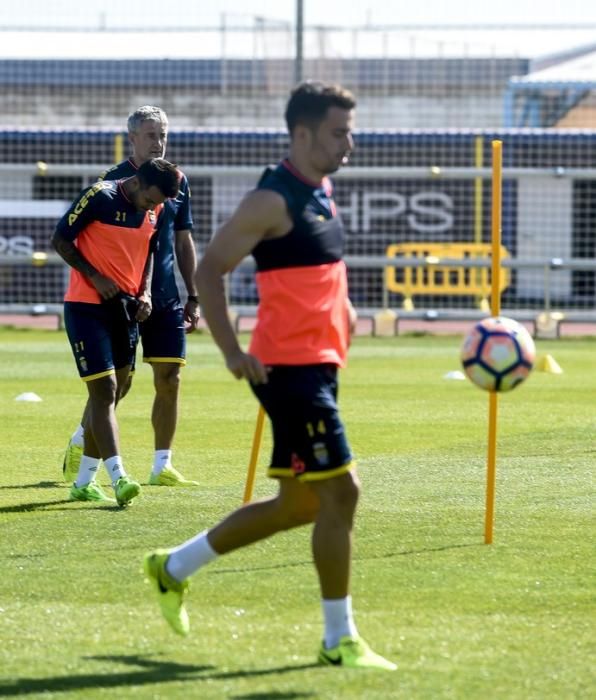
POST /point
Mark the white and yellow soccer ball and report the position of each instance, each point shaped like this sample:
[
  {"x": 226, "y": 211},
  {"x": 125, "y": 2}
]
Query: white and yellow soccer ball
[{"x": 498, "y": 354}]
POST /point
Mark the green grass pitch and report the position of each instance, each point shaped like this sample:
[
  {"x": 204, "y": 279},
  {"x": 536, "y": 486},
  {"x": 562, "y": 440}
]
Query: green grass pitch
[{"x": 514, "y": 619}]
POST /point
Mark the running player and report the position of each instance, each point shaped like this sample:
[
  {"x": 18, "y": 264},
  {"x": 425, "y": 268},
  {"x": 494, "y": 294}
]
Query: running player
[{"x": 291, "y": 227}]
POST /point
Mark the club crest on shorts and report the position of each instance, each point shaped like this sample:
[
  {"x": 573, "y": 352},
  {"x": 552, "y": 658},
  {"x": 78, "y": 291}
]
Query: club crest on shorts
[{"x": 321, "y": 454}]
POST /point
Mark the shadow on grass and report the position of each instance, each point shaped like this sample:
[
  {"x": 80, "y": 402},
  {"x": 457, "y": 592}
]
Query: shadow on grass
[
  {"x": 422, "y": 550},
  {"x": 388, "y": 555},
  {"x": 272, "y": 696},
  {"x": 151, "y": 671},
  {"x": 110, "y": 507},
  {"x": 48, "y": 505},
  {"x": 39, "y": 485},
  {"x": 38, "y": 505}
]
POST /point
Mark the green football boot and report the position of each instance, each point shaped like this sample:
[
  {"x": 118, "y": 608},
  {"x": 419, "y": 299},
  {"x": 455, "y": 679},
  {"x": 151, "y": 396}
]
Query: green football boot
[
  {"x": 170, "y": 593},
  {"x": 354, "y": 652},
  {"x": 90, "y": 492},
  {"x": 126, "y": 489},
  {"x": 72, "y": 459},
  {"x": 170, "y": 477}
]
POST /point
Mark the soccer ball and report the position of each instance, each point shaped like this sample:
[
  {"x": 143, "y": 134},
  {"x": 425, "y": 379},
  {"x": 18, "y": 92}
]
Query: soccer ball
[{"x": 498, "y": 354}]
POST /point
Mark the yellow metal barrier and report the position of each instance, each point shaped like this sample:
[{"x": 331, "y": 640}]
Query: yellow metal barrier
[{"x": 435, "y": 278}]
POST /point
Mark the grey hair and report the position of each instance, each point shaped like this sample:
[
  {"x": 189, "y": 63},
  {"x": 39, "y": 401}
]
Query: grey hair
[{"x": 147, "y": 113}]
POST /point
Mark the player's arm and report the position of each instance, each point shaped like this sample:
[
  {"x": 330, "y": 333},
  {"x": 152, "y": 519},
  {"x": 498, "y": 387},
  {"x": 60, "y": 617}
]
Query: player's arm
[
  {"x": 74, "y": 221},
  {"x": 186, "y": 257},
  {"x": 261, "y": 214},
  {"x": 144, "y": 297},
  {"x": 70, "y": 254}
]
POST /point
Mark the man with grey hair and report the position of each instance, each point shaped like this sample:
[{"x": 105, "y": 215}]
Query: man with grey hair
[{"x": 163, "y": 334}]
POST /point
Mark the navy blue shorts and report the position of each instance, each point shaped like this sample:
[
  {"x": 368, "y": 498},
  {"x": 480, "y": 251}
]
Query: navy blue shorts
[
  {"x": 101, "y": 338},
  {"x": 309, "y": 440},
  {"x": 163, "y": 336}
]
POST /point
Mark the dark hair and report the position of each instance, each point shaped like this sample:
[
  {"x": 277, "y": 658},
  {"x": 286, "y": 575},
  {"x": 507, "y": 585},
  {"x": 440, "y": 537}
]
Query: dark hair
[
  {"x": 160, "y": 173},
  {"x": 310, "y": 101}
]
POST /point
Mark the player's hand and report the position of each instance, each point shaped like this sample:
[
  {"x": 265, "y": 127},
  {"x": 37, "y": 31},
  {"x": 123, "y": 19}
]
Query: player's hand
[
  {"x": 145, "y": 308},
  {"x": 192, "y": 315},
  {"x": 106, "y": 287},
  {"x": 245, "y": 366}
]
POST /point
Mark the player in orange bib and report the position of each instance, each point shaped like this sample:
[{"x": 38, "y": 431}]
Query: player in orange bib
[
  {"x": 163, "y": 334},
  {"x": 106, "y": 237},
  {"x": 290, "y": 225}
]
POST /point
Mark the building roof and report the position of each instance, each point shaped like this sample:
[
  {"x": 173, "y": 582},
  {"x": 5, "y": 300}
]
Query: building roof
[
  {"x": 548, "y": 96},
  {"x": 577, "y": 72}
]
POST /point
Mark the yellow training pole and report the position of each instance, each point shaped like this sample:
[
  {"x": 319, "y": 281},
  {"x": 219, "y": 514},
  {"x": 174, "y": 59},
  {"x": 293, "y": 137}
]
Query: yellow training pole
[
  {"x": 478, "y": 211},
  {"x": 254, "y": 455},
  {"x": 478, "y": 163},
  {"x": 118, "y": 148},
  {"x": 497, "y": 177}
]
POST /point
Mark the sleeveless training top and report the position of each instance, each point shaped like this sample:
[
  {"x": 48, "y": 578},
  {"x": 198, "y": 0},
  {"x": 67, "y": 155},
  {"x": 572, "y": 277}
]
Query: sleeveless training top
[{"x": 302, "y": 316}]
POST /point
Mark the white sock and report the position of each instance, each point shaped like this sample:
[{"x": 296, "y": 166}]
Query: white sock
[
  {"x": 185, "y": 559},
  {"x": 339, "y": 621},
  {"x": 77, "y": 438},
  {"x": 161, "y": 460},
  {"x": 115, "y": 468},
  {"x": 87, "y": 470}
]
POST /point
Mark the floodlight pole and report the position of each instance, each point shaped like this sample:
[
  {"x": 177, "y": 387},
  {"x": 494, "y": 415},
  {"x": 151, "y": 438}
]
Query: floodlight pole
[
  {"x": 298, "y": 59},
  {"x": 497, "y": 179}
]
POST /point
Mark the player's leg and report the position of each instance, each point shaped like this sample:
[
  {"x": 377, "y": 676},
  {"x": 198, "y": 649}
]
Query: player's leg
[
  {"x": 332, "y": 533},
  {"x": 123, "y": 343},
  {"x": 164, "y": 414},
  {"x": 88, "y": 334},
  {"x": 84, "y": 486},
  {"x": 74, "y": 449},
  {"x": 101, "y": 428},
  {"x": 325, "y": 462},
  {"x": 102, "y": 437},
  {"x": 168, "y": 570},
  {"x": 102, "y": 434},
  {"x": 164, "y": 418},
  {"x": 164, "y": 347},
  {"x": 104, "y": 348},
  {"x": 295, "y": 504},
  {"x": 332, "y": 551}
]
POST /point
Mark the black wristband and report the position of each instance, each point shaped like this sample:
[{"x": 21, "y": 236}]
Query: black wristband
[{"x": 193, "y": 297}]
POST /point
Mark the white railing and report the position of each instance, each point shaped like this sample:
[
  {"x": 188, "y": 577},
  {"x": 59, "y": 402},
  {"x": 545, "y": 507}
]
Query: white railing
[{"x": 542, "y": 318}]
